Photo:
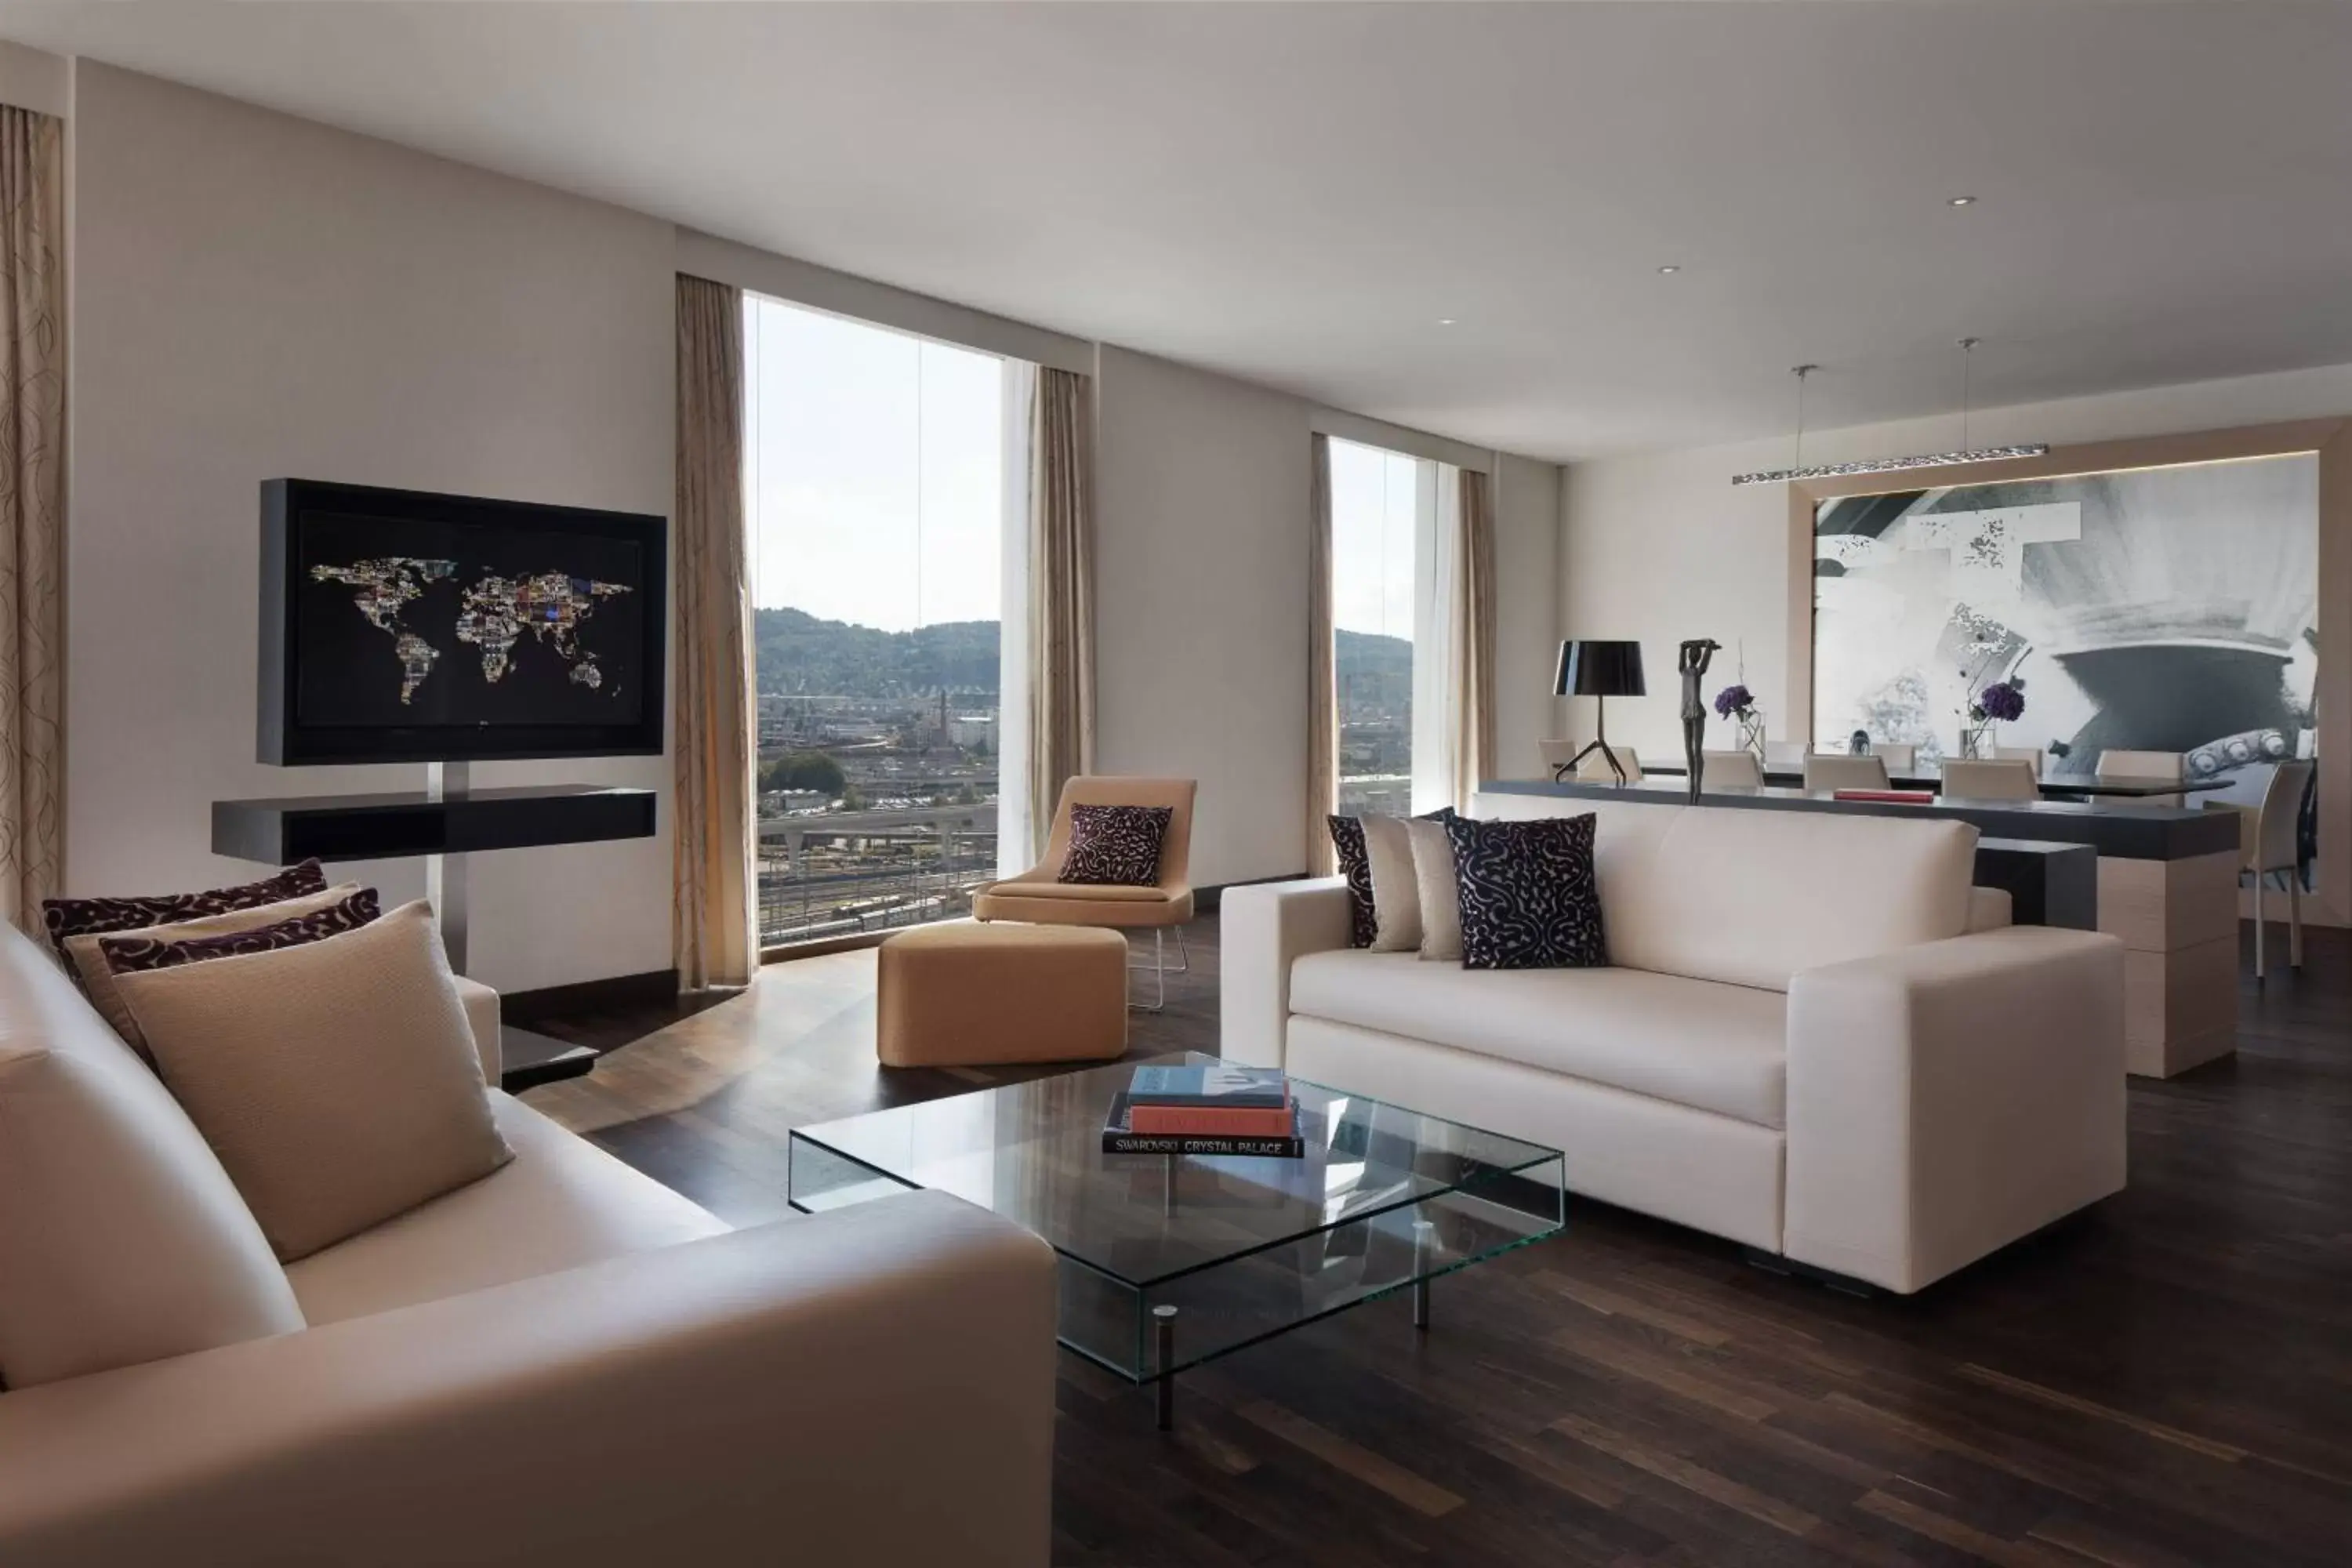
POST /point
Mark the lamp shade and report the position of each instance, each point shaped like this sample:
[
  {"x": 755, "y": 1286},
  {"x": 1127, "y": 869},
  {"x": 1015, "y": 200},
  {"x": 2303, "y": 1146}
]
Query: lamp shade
[{"x": 1590, "y": 669}]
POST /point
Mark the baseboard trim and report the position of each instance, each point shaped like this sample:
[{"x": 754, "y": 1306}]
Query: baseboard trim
[{"x": 653, "y": 986}]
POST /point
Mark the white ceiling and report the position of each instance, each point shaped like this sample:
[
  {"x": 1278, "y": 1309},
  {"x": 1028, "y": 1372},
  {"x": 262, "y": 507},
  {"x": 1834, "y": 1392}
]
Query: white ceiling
[{"x": 1298, "y": 193}]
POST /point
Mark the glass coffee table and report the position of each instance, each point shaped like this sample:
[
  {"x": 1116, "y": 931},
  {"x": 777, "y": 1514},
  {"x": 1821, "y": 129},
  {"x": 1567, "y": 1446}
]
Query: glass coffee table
[{"x": 1169, "y": 1261}]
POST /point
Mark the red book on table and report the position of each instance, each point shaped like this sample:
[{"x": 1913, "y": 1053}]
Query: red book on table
[
  {"x": 1902, "y": 797},
  {"x": 1210, "y": 1122}
]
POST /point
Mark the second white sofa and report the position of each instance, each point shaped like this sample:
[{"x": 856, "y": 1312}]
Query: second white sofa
[{"x": 1808, "y": 1042}]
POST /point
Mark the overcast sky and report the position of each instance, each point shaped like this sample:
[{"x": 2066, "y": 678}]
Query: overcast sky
[
  {"x": 872, "y": 454},
  {"x": 875, "y": 474}
]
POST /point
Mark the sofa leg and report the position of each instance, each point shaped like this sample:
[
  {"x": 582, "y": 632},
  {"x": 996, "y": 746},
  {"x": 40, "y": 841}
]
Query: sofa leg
[{"x": 1789, "y": 1267}]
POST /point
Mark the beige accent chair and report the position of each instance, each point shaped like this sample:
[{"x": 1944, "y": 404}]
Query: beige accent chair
[
  {"x": 1731, "y": 770},
  {"x": 1831, "y": 770},
  {"x": 2141, "y": 767},
  {"x": 1999, "y": 779},
  {"x": 2030, "y": 755},
  {"x": 2266, "y": 838},
  {"x": 1038, "y": 898},
  {"x": 564, "y": 1365}
]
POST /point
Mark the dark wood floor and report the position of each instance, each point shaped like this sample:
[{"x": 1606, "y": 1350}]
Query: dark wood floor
[{"x": 2164, "y": 1380}]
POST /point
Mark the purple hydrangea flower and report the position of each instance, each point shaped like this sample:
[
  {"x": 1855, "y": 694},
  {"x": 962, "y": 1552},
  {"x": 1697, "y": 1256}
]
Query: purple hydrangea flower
[
  {"x": 2002, "y": 700},
  {"x": 1733, "y": 700}
]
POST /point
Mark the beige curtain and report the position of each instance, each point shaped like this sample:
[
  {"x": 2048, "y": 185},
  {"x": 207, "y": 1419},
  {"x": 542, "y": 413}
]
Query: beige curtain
[
  {"x": 32, "y": 509},
  {"x": 1061, "y": 590},
  {"x": 714, "y": 932},
  {"x": 1322, "y": 699},
  {"x": 1474, "y": 634}
]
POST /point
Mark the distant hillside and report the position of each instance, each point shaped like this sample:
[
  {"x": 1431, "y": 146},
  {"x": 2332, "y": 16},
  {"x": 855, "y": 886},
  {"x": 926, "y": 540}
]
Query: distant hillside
[
  {"x": 801, "y": 654},
  {"x": 1372, "y": 670},
  {"x": 798, "y": 653}
]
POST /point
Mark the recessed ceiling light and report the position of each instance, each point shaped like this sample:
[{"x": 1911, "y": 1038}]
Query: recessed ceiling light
[
  {"x": 1670, "y": 268},
  {"x": 1964, "y": 201},
  {"x": 1445, "y": 320}
]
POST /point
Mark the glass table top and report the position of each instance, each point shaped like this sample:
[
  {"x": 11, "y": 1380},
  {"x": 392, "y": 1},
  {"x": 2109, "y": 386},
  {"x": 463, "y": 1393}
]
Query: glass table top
[{"x": 1032, "y": 1152}]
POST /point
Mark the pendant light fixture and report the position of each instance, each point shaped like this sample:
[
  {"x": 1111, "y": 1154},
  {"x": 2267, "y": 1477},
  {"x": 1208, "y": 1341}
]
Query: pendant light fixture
[{"x": 1966, "y": 454}]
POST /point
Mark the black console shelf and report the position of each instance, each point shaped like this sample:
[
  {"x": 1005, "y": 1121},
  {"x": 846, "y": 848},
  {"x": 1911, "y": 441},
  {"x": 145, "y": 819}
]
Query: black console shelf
[{"x": 382, "y": 827}]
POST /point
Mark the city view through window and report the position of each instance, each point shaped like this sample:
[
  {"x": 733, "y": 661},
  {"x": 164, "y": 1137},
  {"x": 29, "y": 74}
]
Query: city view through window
[
  {"x": 1379, "y": 500},
  {"x": 874, "y": 500}
]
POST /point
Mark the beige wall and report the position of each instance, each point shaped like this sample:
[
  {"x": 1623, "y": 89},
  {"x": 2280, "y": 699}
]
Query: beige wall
[
  {"x": 258, "y": 296},
  {"x": 1201, "y": 602},
  {"x": 1527, "y": 612},
  {"x": 1661, "y": 547}
]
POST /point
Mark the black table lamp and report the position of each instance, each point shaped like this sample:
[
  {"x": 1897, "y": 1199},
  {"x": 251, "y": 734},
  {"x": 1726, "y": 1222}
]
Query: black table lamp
[{"x": 1598, "y": 670}]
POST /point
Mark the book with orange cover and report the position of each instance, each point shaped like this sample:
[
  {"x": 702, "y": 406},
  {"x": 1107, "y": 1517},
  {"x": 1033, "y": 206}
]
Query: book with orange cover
[{"x": 1210, "y": 1120}]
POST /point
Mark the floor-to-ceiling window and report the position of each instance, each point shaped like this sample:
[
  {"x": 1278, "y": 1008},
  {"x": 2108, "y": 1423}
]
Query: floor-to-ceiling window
[
  {"x": 875, "y": 497},
  {"x": 1384, "y": 565}
]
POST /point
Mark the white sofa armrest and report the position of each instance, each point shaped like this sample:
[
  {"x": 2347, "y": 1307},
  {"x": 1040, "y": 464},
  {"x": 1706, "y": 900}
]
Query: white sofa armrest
[
  {"x": 482, "y": 1015},
  {"x": 1948, "y": 1098},
  {"x": 872, "y": 1386},
  {"x": 1261, "y": 928}
]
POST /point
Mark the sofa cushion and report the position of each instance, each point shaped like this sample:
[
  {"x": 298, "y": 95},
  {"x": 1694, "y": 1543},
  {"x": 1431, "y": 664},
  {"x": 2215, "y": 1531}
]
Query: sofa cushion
[
  {"x": 338, "y": 1081},
  {"x": 559, "y": 1204},
  {"x": 1694, "y": 1042},
  {"x": 121, "y": 1238},
  {"x": 79, "y": 917},
  {"x": 1751, "y": 898}
]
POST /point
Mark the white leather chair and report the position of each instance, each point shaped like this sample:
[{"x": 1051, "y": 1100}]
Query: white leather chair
[
  {"x": 1898, "y": 759},
  {"x": 2002, "y": 779},
  {"x": 1731, "y": 770},
  {"x": 2266, "y": 838},
  {"x": 2030, "y": 755},
  {"x": 2141, "y": 767},
  {"x": 1828, "y": 771},
  {"x": 1788, "y": 754},
  {"x": 1595, "y": 768}
]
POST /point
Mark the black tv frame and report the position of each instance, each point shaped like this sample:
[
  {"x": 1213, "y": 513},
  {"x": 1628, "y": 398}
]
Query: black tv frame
[{"x": 284, "y": 743}]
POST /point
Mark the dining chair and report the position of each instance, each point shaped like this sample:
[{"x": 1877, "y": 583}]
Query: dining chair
[
  {"x": 2142, "y": 767},
  {"x": 2267, "y": 846},
  {"x": 1784, "y": 754},
  {"x": 1595, "y": 768},
  {"x": 2007, "y": 778},
  {"x": 1898, "y": 759},
  {"x": 1828, "y": 771},
  {"x": 2030, "y": 755},
  {"x": 1731, "y": 770}
]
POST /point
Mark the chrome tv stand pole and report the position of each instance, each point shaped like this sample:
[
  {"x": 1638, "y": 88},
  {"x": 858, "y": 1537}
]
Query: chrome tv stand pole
[{"x": 445, "y": 874}]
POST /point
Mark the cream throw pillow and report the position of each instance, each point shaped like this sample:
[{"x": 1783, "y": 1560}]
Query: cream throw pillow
[
  {"x": 1440, "y": 888},
  {"x": 337, "y": 1081},
  {"x": 1396, "y": 895},
  {"x": 98, "y": 980}
]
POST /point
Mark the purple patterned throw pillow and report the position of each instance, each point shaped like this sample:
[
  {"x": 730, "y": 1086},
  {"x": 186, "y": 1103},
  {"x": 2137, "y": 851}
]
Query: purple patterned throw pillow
[
  {"x": 130, "y": 954},
  {"x": 1116, "y": 846},
  {"x": 84, "y": 916}
]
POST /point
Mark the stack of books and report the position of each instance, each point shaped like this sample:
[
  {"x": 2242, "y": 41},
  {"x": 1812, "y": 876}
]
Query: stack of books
[{"x": 1215, "y": 1110}]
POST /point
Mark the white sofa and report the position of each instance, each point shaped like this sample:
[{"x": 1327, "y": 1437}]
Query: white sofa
[
  {"x": 564, "y": 1362},
  {"x": 1817, "y": 1039}
]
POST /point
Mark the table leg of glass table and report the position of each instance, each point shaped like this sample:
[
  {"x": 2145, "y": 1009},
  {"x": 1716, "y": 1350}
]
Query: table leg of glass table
[
  {"x": 1423, "y": 1234},
  {"x": 1163, "y": 1324}
]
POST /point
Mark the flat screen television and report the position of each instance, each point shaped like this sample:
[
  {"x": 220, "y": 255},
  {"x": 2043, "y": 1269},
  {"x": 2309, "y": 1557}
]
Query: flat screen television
[{"x": 398, "y": 625}]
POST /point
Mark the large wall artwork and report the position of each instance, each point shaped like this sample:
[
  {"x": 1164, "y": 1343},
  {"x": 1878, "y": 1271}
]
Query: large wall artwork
[{"x": 2166, "y": 609}]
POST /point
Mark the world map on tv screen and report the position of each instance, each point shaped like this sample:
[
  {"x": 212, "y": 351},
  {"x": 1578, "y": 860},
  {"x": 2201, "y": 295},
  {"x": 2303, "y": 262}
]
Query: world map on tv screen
[{"x": 407, "y": 623}]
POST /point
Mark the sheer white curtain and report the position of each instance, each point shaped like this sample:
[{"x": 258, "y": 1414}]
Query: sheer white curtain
[{"x": 1436, "y": 633}]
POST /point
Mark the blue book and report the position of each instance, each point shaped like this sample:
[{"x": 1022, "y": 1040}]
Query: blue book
[{"x": 1258, "y": 1088}]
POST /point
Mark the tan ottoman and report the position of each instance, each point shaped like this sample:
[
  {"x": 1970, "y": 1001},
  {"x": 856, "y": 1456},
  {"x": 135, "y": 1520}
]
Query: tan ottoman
[{"x": 970, "y": 995}]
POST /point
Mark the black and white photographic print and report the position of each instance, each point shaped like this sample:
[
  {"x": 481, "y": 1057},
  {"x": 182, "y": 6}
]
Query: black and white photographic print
[{"x": 2163, "y": 609}]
